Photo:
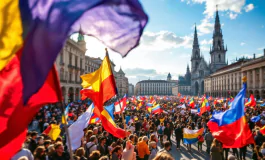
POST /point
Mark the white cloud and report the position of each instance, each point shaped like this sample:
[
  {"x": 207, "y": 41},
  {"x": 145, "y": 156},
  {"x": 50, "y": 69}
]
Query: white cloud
[
  {"x": 205, "y": 27},
  {"x": 163, "y": 40},
  {"x": 261, "y": 48},
  {"x": 249, "y": 7},
  {"x": 233, "y": 15},
  {"x": 204, "y": 42},
  {"x": 242, "y": 43}
]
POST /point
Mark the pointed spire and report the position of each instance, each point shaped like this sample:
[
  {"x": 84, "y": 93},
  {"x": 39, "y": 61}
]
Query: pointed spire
[
  {"x": 195, "y": 40},
  {"x": 217, "y": 26},
  {"x": 81, "y": 37}
]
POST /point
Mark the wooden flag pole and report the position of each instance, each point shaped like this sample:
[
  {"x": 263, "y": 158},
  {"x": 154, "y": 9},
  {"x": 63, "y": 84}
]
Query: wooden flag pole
[
  {"x": 67, "y": 133},
  {"x": 123, "y": 121}
]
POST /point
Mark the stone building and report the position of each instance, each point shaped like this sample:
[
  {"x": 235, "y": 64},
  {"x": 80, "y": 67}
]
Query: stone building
[
  {"x": 199, "y": 67},
  {"x": 227, "y": 81},
  {"x": 155, "y": 87},
  {"x": 70, "y": 65},
  {"x": 122, "y": 83},
  {"x": 184, "y": 83}
]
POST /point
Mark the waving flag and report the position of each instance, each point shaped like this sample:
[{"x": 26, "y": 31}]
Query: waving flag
[
  {"x": 262, "y": 105},
  {"x": 156, "y": 109},
  {"x": 76, "y": 129},
  {"x": 251, "y": 102},
  {"x": 65, "y": 114},
  {"x": 100, "y": 87},
  {"x": 191, "y": 136},
  {"x": 120, "y": 106},
  {"x": 255, "y": 119},
  {"x": 53, "y": 131},
  {"x": 230, "y": 127},
  {"x": 192, "y": 105}
]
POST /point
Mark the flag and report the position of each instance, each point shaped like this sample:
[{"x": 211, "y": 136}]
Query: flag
[
  {"x": 94, "y": 118},
  {"x": 53, "y": 131},
  {"x": 203, "y": 108},
  {"x": 156, "y": 109},
  {"x": 194, "y": 111},
  {"x": 65, "y": 114},
  {"x": 76, "y": 129},
  {"x": 251, "y": 102},
  {"x": 191, "y": 104},
  {"x": 120, "y": 105},
  {"x": 100, "y": 87},
  {"x": 191, "y": 136},
  {"x": 40, "y": 28},
  {"x": 15, "y": 116},
  {"x": 255, "y": 119},
  {"x": 230, "y": 127},
  {"x": 262, "y": 105}
]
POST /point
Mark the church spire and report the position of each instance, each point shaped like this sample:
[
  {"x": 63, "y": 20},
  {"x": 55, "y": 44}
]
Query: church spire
[
  {"x": 217, "y": 26},
  {"x": 195, "y": 40},
  {"x": 81, "y": 37}
]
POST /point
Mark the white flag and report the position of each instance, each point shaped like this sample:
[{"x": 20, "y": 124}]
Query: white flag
[{"x": 76, "y": 129}]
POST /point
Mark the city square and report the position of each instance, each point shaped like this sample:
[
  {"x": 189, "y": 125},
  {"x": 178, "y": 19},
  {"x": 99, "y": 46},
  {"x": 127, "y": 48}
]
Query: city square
[{"x": 132, "y": 80}]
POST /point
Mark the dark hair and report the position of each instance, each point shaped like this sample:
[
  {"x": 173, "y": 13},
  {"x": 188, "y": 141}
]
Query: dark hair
[
  {"x": 116, "y": 149},
  {"x": 167, "y": 144},
  {"x": 47, "y": 142}
]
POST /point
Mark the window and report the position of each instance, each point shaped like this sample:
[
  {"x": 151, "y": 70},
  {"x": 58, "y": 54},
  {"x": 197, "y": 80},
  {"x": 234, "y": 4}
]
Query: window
[
  {"x": 70, "y": 58},
  {"x": 61, "y": 57},
  {"x": 75, "y": 60},
  {"x": 219, "y": 57}
]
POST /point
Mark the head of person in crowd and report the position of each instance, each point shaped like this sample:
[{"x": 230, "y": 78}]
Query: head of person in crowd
[
  {"x": 51, "y": 150},
  {"x": 163, "y": 156},
  {"x": 145, "y": 139},
  {"x": 23, "y": 158},
  {"x": 167, "y": 145},
  {"x": 94, "y": 155},
  {"x": 102, "y": 140},
  {"x": 105, "y": 134},
  {"x": 46, "y": 143},
  {"x": 34, "y": 135},
  {"x": 39, "y": 152},
  {"x": 152, "y": 137},
  {"x": 40, "y": 140},
  {"x": 89, "y": 133},
  {"x": 93, "y": 139},
  {"x": 152, "y": 144},
  {"x": 117, "y": 150},
  {"x": 80, "y": 152},
  {"x": 95, "y": 131},
  {"x": 59, "y": 148}
]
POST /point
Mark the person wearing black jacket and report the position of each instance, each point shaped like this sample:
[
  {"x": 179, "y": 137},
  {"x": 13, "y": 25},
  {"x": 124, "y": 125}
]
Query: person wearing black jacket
[
  {"x": 102, "y": 147},
  {"x": 59, "y": 152},
  {"x": 178, "y": 135},
  {"x": 167, "y": 132},
  {"x": 33, "y": 144}
]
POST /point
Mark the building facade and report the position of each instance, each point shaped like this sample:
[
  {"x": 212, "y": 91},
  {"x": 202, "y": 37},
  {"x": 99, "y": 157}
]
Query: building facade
[
  {"x": 70, "y": 65},
  {"x": 184, "y": 83},
  {"x": 122, "y": 83},
  {"x": 227, "y": 81},
  {"x": 175, "y": 90},
  {"x": 199, "y": 67},
  {"x": 155, "y": 87},
  {"x": 131, "y": 90}
]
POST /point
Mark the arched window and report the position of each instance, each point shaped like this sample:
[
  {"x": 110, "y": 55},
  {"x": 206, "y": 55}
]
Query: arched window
[{"x": 219, "y": 57}]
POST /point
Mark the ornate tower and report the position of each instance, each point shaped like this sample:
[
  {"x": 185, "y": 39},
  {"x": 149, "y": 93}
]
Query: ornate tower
[
  {"x": 169, "y": 77},
  {"x": 217, "y": 51},
  {"x": 195, "y": 57},
  {"x": 188, "y": 75},
  {"x": 81, "y": 39}
]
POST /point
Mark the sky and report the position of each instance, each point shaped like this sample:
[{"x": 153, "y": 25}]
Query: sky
[{"x": 166, "y": 44}]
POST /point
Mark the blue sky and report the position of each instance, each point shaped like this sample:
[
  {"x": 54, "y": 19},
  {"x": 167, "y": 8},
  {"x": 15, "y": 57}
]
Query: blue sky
[{"x": 167, "y": 40}]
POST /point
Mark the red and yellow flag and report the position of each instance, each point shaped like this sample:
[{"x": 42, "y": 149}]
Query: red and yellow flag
[{"x": 100, "y": 87}]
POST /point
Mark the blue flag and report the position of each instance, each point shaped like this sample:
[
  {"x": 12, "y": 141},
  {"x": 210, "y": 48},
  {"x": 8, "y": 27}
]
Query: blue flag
[{"x": 255, "y": 119}]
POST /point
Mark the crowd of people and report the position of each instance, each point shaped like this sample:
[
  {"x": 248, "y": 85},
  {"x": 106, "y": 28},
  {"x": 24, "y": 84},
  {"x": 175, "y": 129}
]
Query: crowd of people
[{"x": 150, "y": 136}]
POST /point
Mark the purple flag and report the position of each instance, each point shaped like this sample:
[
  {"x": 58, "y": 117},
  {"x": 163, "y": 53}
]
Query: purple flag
[{"x": 48, "y": 23}]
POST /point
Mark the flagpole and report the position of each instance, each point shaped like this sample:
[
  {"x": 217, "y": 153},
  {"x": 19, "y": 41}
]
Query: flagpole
[
  {"x": 123, "y": 121},
  {"x": 67, "y": 133}
]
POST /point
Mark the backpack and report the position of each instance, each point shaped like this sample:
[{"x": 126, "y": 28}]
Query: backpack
[{"x": 87, "y": 150}]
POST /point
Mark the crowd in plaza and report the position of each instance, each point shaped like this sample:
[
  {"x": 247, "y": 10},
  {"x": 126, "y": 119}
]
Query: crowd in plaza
[{"x": 147, "y": 132}]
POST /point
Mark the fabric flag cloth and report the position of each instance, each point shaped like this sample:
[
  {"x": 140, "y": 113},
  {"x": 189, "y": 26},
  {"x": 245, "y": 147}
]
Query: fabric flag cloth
[
  {"x": 194, "y": 111},
  {"x": 65, "y": 114},
  {"x": 53, "y": 131},
  {"x": 191, "y": 103},
  {"x": 251, "y": 102},
  {"x": 182, "y": 106},
  {"x": 191, "y": 136},
  {"x": 76, "y": 129},
  {"x": 120, "y": 105},
  {"x": 230, "y": 127},
  {"x": 15, "y": 116},
  {"x": 40, "y": 28},
  {"x": 100, "y": 86},
  {"x": 262, "y": 105},
  {"x": 156, "y": 109},
  {"x": 255, "y": 119}
]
